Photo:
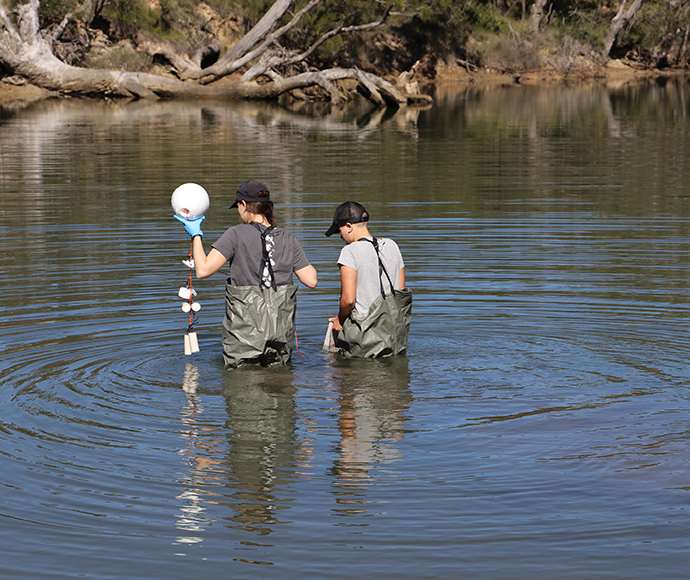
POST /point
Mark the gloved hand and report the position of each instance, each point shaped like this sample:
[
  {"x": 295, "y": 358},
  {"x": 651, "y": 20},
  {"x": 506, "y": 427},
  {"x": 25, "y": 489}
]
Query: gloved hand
[{"x": 192, "y": 227}]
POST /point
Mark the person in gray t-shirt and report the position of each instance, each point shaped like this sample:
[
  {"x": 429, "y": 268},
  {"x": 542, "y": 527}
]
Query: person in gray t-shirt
[
  {"x": 260, "y": 295},
  {"x": 241, "y": 245},
  {"x": 360, "y": 278}
]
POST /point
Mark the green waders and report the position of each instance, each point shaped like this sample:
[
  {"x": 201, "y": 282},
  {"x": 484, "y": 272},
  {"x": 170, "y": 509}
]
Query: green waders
[{"x": 259, "y": 322}]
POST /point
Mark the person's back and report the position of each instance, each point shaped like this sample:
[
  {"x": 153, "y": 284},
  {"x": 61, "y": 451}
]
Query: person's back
[
  {"x": 242, "y": 245},
  {"x": 375, "y": 307},
  {"x": 361, "y": 256}
]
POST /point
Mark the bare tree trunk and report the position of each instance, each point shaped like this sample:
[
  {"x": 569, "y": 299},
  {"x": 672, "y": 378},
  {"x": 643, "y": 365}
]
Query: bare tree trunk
[
  {"x": 228, "y": 65},
  {"x": 620, "y": 21},
  {"x": 536, "y": 14},
  {"x": 92, "y": 9},
  {"x": 262, "y": 28}
]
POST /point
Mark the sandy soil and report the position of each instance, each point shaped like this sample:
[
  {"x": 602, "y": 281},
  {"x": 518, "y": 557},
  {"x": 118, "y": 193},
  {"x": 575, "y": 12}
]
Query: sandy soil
[
  {"x": 614, "y": 74},
  {"x": 18, "y": 96}
]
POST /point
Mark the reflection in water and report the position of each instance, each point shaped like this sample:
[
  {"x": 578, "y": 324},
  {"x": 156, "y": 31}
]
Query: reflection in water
[
  {"x": 203, "y": 469},
  {"x": 261, "y": 460},
  {"x": 373, "y": 397}
]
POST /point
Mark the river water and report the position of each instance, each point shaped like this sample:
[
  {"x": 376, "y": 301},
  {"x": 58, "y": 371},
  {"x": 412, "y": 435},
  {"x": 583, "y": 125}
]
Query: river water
[{"x": 537, "y": 428}]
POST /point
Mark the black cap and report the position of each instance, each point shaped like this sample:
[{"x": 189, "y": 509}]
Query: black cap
[
  {"x": 349, "y": 212},
  {"x": 249, "y": 191}
]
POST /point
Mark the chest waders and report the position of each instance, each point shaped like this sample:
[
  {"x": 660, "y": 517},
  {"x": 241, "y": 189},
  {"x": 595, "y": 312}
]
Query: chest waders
[
  {"x": 384, "y": 329},
  {"x": 259, "y": 324}
]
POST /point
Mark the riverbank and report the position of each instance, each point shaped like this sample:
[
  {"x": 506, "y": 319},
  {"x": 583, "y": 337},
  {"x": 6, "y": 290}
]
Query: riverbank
[{"x": 614, "y": 74}]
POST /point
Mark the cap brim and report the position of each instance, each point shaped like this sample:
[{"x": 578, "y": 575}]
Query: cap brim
[
  {"x": 334, "y": 228},
  {"x": 234, "y": 204}
]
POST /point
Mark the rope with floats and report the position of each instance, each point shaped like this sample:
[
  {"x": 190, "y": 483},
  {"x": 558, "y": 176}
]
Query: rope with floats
[{"x": 187, "y": 293}]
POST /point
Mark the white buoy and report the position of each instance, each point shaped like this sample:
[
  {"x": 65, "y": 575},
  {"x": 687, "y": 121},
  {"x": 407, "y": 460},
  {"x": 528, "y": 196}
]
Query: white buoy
[
  {"x": 190, "y": 201},
  {"x": 196, "y": 306}
]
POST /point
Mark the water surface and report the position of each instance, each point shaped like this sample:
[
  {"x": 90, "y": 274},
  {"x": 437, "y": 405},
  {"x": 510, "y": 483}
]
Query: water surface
[{"x": 537, "y": 427}]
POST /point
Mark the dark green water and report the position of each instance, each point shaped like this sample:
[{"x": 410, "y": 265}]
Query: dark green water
[{"x": 536, "y": 429}]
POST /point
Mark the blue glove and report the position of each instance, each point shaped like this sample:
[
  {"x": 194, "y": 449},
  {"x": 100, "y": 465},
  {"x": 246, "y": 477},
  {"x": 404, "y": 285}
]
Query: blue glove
[{"x": 192, "y": 227}]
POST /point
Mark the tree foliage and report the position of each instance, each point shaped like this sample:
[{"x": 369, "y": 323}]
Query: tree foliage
[{"x": 440, "y": 28}]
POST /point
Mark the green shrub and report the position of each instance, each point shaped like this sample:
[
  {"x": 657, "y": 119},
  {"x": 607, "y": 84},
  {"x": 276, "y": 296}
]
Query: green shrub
[
  {"x": 121, "y": 57},
  {"x": 483, "y": 17},
  {"x": 53, "y": 11}
]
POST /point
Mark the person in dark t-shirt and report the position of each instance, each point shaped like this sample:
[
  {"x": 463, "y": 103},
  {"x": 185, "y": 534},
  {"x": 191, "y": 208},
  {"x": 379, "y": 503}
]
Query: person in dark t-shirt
[{"x": 260, "y": 290}]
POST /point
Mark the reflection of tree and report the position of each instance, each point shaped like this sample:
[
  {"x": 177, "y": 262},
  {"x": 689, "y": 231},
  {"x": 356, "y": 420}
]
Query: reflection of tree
[
  {"x": 373, "y": 398},
  {"x": 203, "y": 468},
  {"x": 261, "y": 459}
]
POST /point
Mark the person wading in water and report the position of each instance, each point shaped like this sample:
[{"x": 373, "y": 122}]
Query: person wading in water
[{"x": 260, "y": 295}]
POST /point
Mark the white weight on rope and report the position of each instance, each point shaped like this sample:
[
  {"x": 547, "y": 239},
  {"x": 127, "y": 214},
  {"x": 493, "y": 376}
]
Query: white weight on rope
[{"x": 185, "y": 293}]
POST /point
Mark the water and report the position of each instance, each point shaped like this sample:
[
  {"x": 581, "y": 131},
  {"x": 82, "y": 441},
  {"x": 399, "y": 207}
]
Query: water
[{"x": 536, "y": 429}]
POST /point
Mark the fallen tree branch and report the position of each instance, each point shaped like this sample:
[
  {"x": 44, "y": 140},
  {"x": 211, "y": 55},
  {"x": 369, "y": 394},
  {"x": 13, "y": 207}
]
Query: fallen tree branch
[
  {"x": 338, "y": 30},
  {"x": 274, "y": 61}
]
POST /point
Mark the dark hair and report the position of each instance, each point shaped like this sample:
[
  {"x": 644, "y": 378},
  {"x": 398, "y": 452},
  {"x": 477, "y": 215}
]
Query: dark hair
[{"x": 264, "y": 208}]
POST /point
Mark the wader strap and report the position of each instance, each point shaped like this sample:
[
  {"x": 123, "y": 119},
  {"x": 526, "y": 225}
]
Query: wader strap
[
  {"x": 381, "y": 266},
  {"x": 265, "y": 258}
]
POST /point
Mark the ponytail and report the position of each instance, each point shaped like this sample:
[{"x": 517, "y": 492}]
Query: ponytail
[{"x": 264, "y": 208}]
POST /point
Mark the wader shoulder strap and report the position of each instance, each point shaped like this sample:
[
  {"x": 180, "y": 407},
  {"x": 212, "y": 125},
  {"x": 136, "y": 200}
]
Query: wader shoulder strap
[
  {"x": 265, "y": 258},
  {"x": 382, "y": 268}
]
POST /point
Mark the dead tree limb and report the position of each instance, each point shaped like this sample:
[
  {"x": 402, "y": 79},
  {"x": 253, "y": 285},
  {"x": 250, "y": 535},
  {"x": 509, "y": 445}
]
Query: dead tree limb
[
  {"x": 228, "y": 65},
  {"x": 274, "y": 60},
  {"x": 620, "y": 21}
]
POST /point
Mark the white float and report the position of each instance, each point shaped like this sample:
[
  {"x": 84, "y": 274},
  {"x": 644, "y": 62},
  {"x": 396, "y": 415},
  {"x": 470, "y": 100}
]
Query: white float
[{"x": 190, "y": 201}]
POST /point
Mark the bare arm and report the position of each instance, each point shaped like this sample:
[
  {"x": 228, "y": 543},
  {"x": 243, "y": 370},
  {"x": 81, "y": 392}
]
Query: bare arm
[
  {"x": 348, "y": 296},
  {"x": 307, "y": 276},
  {"x": 204, "y": 265},
  {"x": 402, "y": 278}
]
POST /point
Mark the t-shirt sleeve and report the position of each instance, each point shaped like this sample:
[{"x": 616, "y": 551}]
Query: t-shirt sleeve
[
  {"x": 347, "y": 258},
  {"x": 299, "y": 257},
  {"x": 401, "y": 263},
  {"x": 227, "y": 243}
]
